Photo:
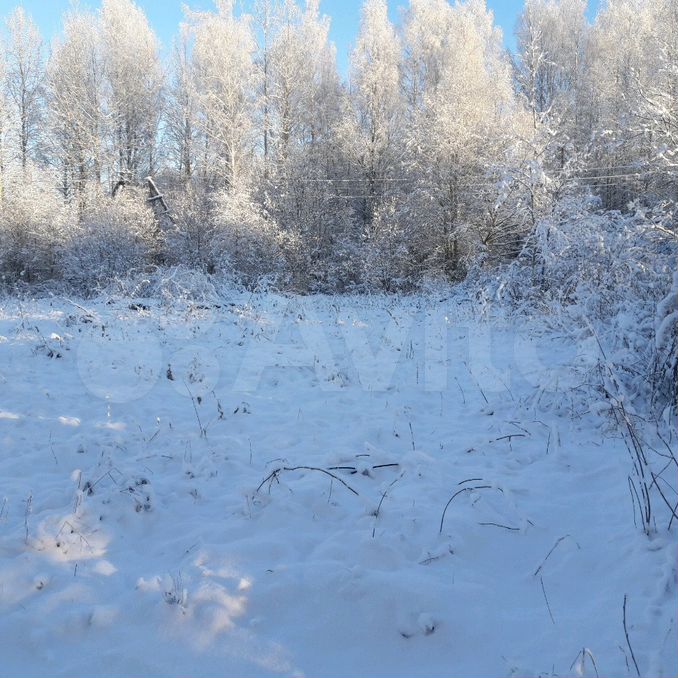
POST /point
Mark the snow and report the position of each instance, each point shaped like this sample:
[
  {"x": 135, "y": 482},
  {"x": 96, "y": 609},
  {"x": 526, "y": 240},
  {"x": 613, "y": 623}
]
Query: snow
[{"x": 323, "y": 486}]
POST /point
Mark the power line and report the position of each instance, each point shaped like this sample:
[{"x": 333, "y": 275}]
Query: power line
[
  {"x": 601, "y": 181},
  {"x": 479, "y": 179}
]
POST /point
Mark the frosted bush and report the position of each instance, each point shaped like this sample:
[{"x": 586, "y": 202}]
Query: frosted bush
[
  {"x": 117, "y": 234},
  {"x": 244, "y": 240},
  {"x": 35, "y": 226},
  {"x": 611, "y": 275}
]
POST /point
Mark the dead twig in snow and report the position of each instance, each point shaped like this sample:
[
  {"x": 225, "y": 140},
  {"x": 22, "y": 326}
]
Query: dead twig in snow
[
  {"x": 203, "y": 430},
  {"x": 482, "y": 393},
  {"x": 273, "y": 475},
  {"x": 634, "y": 498},
  {"x": 88, "y": 313},
  {"x": 628, "y": 642},
  {"x": 553, "y": 548},
  {"x": 511, "y": 435},
  {"x": 51, "y": 447},
  {"x": 381, "y": 501},
  {"x": 458, "y": 492},
  {"x": 548, "y": 607},
  {"x": 506, "y": 527},
  {"x": 81, "y": 536},
  {"x": 514, "y": 423},
  {"x": 353, "y": 470},
  {"x": 666, "y": 501},
  {"x": 463, "y": 396}
]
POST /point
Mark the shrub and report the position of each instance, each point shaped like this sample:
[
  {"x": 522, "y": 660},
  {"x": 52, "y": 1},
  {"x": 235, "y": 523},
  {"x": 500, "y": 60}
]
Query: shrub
[
  {"x": 35, "y": 226},
  {"x": 116, "y": 235}
]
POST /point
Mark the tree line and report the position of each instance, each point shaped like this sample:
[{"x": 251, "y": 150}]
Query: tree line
[{"x": 441, "y": 152}]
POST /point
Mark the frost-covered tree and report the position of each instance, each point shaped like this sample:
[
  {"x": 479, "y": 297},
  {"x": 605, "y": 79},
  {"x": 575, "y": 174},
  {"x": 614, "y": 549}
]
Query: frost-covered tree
[
  {"x": 426, "y": 37},
  {"x": 134, "y": 81},
  {"x": 225, "y": 81},
  {"x": 371, "y": 134},
  {"x": 181, "y": 116},
  {"x": 288, "y": 66},
  {"x": 551, "y": 37},
  {"x": 635, "y": 73},
  {"x": 551, "y": 70},
  {"x": 265, "y": 16},
  {"x": 304, "y": 89},
  {"x": 75, "y": 80},
  {"x": 4, "y": 122},
  {"x": 306, "y": 101},
  {"x": 463, "y": 106},
  {"x": 25, "y": 72},
  {"x": 656, "y": 114}
]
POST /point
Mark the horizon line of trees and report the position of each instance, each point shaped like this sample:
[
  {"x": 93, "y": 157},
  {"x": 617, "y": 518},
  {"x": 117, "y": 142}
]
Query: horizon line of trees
[{"x": 441, "y": 152}]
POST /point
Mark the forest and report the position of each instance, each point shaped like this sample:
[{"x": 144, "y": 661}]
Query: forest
[{"x": 440, "y": 155}]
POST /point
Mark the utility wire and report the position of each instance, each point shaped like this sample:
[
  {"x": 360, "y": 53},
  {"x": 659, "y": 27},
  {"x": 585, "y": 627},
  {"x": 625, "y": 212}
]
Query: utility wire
[{"x": 482, "y": 179}]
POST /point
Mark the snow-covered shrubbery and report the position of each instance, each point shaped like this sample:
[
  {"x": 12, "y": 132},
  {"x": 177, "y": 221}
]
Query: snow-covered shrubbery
[
  {"x": 116, "y": 235},
  {"x": 224, "y": 233},
  {"x": 35, "y": 228},
  {"x": 607, "y": 282},
  {"x": 188, "y": 243},
  {"x": 173, "y": 285},
  {"x": 665, "y": 348},
  {"x": 386, "y": 257},
  {"x": 315, "y": 225},
  {"x": 245, "y": 240},
  {"x": 610, "y": 275}
]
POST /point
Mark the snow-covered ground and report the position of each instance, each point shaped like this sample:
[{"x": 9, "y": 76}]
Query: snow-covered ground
[{"x": 314, "y": 486}]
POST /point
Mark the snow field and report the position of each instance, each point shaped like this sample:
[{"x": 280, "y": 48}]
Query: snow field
[{"x": 313, "y": 486}]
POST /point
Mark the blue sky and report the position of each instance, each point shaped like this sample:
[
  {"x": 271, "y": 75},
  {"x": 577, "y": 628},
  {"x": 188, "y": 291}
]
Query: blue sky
[{"x": 165, "y": 16}]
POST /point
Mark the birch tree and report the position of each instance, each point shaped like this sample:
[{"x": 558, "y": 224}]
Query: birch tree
[
  {"x": 635, "y": 73},
  {"x": 460, "y": 88},
  {"x": 134, "y": 81},
  {"x": 372, "y": 133},
  {"x": 25, "y": 83},
  {"x": 76, "y": 104},
  {"x": 265, "y": 14},
  {"x": 552, "y": 40},
  {"x": 426, "y": 34},
  {"x": 226, "y": 79},
  {"x": 4, "y": 121},
  {"x": 181, "y": 120},
  {"x": 306, "y": 107},
  {"x": 656, "y": 116}
]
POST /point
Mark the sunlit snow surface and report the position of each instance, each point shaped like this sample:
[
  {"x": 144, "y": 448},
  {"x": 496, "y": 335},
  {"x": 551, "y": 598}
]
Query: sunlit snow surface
[{"x": 148, "y": 525}]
